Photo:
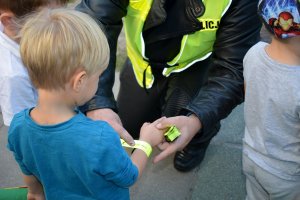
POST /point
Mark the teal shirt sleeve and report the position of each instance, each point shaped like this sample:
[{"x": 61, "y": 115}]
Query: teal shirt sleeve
[
  {"x": 18, "y": 157},
  {"x": 116, "y": 165}
]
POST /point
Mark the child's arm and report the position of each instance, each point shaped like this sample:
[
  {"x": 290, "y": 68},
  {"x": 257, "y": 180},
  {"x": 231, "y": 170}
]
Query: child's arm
[
  {"x": 153, "y": 136},
  {"x": 35, "y": 188},
  {"x": 139, "y": 159}
]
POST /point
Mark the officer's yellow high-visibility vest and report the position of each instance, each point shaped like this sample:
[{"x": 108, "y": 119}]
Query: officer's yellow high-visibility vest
[{"x": 194, "y": 47}]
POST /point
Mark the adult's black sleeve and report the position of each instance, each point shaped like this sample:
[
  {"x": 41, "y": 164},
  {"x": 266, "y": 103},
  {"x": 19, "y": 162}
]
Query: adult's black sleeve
[
  {"x": 239, "y": 30},
  {"x": 108, "y": 14}
]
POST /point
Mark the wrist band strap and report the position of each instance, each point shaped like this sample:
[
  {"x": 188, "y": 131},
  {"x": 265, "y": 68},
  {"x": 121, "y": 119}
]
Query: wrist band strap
[{"x": 144, "y": 146}]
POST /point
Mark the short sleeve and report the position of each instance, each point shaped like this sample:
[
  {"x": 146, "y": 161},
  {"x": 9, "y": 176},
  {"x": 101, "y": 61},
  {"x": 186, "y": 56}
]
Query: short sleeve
[
  {"x": 116, "y": 165},
  {"x": 18, "y": 158}
]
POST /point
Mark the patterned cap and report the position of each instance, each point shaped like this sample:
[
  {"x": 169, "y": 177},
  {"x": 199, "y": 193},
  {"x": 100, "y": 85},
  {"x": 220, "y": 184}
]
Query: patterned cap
[{"x": 281, "y": 17}]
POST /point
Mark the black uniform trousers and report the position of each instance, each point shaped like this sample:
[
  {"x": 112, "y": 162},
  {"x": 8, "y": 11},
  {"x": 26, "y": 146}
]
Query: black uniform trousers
[{"x": 166, "y": 97}]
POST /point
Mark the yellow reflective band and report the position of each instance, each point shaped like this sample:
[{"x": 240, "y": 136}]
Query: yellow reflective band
[
  {"x": 144, "y": 146},
  {"x": 172, "y": 134}
]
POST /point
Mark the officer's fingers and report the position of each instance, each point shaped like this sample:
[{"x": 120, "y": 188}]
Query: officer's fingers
[
  {"x": 128, "y": 138},
  {"x": 163, "y": 146},
  {"x": 124, "y": 134},
  {"x": 145, "y": 124},
  {"x": 172, "y": 148}
]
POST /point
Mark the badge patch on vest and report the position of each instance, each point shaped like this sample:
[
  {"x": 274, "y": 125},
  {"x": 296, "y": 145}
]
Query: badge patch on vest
[{"x": 209, "y": 24}]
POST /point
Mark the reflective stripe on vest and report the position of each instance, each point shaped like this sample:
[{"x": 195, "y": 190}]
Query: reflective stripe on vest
[{"x": 194, "y": 47}]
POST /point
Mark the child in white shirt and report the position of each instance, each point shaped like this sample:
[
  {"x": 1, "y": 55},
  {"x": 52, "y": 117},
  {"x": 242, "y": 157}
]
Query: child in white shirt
[{"x": 16, "y": 89}]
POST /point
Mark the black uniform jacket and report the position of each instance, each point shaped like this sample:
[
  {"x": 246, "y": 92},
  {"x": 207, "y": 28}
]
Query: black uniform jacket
[{"x": 238, "y": 30}]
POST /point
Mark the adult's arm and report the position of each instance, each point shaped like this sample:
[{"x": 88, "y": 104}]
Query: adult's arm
[
  {"x": 223, "y": 91},
  {"x": 109, "y": 14}
]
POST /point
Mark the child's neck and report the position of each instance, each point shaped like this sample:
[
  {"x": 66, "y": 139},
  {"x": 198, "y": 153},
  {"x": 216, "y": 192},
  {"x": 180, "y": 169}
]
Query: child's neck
[
  {"x": 52, "y": 108},
  {"x": 11, "y": 34},
  {"x": 285, "y": 51}
]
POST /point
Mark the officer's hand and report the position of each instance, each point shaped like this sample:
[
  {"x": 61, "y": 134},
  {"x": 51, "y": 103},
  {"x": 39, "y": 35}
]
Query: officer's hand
[
  {"x": 114, "y": 120},
  {"x": 188, "y": 127}
]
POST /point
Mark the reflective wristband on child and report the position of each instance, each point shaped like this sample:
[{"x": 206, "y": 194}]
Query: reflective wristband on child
[
  {"x": 144, "y": 146},
  {"x": 172, "y": 133}
]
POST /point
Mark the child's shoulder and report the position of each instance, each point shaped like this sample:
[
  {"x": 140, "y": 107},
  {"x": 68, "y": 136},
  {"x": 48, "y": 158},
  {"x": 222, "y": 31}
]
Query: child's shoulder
[
  {"x": 96, "y": 130},
  {"x": 257, "y": 47},
  {"x": 20, "y": 115},
  {"x": 255, "y": 50},
  {"x": 94, "y": 126},
  {"x": 88, "y": 122},
  {"x": 18, "y": 120}
]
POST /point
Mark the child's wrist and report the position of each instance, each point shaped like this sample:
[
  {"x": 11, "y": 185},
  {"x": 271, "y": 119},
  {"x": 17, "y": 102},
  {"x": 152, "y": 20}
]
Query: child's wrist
[
  {"x": 144, "y": 146},
  {"x": 148, "y": 140},
  {"x": 139, "y": 144}
]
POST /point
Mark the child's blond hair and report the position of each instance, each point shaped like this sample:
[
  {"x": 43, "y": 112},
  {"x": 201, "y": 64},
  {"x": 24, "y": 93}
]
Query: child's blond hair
[{"x": 56, "y": 43}]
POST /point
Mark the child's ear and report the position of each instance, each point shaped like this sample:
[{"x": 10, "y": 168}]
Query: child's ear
[
  {"x": 79, "y": 80},
  {"x": 6, "y": 18}
]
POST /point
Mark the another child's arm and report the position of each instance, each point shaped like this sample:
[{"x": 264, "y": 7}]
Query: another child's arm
[
  {"x": 18, "y": 94},
  {"x": 35, "y": 188},
  {"x": 153, "y": 136}
]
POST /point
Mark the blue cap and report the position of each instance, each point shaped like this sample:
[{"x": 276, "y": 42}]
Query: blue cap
[{"x": 281, "y": 17}]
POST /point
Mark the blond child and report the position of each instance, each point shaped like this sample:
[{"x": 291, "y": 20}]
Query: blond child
[
  {"x": 271, "y": 156},
  {"x": 16, "y": 90},
  {"x": 55, "y": 145}
]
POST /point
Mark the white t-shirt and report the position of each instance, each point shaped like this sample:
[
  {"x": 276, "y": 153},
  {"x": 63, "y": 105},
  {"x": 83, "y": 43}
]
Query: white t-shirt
[{"x": 16, "y": 90}]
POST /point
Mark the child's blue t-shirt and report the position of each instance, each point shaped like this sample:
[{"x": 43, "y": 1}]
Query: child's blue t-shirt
[{"x": 77, "y": 159}]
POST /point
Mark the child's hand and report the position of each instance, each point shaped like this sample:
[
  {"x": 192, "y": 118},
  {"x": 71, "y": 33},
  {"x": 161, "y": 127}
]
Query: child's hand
[
  {"x": 149, "y": 133},
  {"x": 35, "y": 188},
  {"x": 31, "y": 196}
]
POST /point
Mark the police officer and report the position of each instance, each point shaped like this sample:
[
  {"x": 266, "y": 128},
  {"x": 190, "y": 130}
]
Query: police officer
[{"x": 184, "y": 62}]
